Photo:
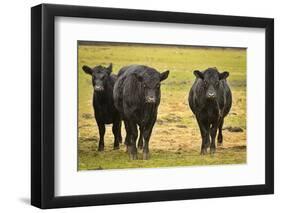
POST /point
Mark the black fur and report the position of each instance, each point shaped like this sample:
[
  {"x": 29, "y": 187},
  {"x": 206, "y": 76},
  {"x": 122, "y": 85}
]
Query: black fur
[
  {"x": 210, "y": 100},
  {"x": 105, "y": 111},
  {"x": 137, "y": 97}
]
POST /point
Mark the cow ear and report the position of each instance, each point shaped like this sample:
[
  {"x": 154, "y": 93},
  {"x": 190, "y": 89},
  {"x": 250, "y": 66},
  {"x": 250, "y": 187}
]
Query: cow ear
[
  {"x": 87, "y": 70},
  {"x": 223, "y": 75},
  {"x": 109, "y": 69},
  {"x": 139, "y": 77},
  {"x": 164, "y": 75},
  {"x": 198, "y": 74}
]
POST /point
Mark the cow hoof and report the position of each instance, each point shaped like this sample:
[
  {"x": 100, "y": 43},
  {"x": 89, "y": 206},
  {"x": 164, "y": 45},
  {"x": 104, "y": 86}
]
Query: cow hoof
[
  {"x": 203, "y": 152},
  {"x": 220, "y": 144},
  {"x": 145, "y": 156},
  {"x": 120, "y": 141},
  {"x": 212, "y": 151},
  {"x": 116, "y": 147},
  {"x": 133, "y": 156},
  {"x": 126, "y": 149},
  {"x": 101, "y": 148}
]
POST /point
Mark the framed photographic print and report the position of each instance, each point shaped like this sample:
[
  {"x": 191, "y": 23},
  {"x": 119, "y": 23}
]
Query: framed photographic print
[{"x": 139, "y": 106}]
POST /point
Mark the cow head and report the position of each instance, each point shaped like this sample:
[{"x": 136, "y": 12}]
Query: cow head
[
  {"x": 211, "y": 79},
  {"x": 99, "y": 75},
  {"x": 151, "y": 85}
]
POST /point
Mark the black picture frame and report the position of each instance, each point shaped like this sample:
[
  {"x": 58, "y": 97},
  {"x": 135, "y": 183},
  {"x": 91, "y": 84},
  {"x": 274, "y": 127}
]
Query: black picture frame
[{"x": 43, "y": 105}]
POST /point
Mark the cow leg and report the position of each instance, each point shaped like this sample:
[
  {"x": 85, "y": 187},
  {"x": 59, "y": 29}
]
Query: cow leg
[
  {"x": 101, "y": 132},
  {"x": 204, "y": 130},
  {"x": 213, "y": 138},
  {"x": 220, "y": 137},
  {"x": 127, "y": 138},
  {"x": 140, "y": 142},
  {"x": 132, "y": 149},
  {"x": 116, "y": 129},
  {"x": 205, "y": 139},
  {"x": 146, "y": 136}
]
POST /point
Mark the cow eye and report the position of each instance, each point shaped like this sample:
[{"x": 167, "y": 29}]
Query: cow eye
[{"x": 205, "y": 82}]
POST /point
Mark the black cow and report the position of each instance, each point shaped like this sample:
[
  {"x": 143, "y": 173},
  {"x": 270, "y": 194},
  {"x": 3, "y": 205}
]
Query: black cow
[
  {"x": 105, "y": 111},
  {"x": 210, "y": 100},
  {"x": 137, "y": 97}
]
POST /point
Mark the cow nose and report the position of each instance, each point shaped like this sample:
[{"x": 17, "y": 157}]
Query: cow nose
[
  {"x": 211, "y": 94},
  {"x": 150, "y": 100},
  {"x": 98, "y": 88}
]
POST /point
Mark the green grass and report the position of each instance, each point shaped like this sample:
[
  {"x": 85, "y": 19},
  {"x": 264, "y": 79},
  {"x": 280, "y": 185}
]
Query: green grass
[
  {"x": 175, "y": 140},
  {"x": 118, "y": 159}
]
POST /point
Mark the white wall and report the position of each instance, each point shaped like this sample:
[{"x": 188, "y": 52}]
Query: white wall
[{"x": 15, "y": 105}]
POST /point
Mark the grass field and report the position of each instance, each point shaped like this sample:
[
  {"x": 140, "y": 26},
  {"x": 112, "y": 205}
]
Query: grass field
[{"x": 175, "y": 139}]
